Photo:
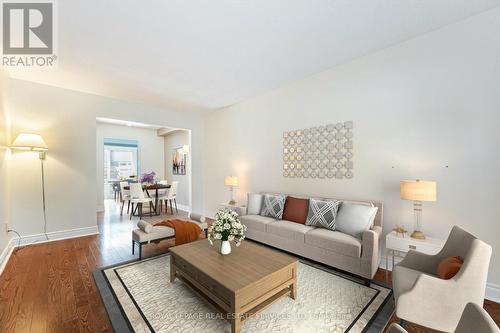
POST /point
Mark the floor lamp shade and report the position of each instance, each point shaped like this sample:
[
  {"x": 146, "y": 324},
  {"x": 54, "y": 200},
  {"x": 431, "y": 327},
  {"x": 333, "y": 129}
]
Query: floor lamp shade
[
  {"x": 418, "y": 191},
  {"x": 28, "y": 141}
]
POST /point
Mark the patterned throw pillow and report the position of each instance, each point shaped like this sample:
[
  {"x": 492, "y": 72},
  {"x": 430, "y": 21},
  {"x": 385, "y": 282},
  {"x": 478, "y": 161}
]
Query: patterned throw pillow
[
  {"x": 322, "y": 214},
  {"x": 273, "y": 206}
]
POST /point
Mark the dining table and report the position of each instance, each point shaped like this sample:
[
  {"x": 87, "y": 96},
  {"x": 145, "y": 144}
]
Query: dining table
[{"x": 153, "y": 187}]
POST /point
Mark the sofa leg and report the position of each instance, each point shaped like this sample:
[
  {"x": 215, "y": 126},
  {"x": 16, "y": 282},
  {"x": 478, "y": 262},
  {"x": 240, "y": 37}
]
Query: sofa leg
[
  {"x": 206, "y": 233},
  {"x": 402, "y": 323},
  {"x": 140, "y": 251},
  {"x": 368, "y": 282},
  {"x": 133, "y": 247}
]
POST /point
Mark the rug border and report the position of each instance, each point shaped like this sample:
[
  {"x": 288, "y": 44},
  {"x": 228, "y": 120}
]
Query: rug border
[{"x": 328, "y": 269}]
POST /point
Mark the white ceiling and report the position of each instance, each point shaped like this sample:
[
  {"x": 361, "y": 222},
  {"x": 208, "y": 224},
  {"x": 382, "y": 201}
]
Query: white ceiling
[{"x": 198, "y": 54}]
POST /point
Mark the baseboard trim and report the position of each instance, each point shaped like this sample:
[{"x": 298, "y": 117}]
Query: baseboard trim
[
  {"x": 6, "y": 253},
  {"x": 184, "y": 208},
  {"x": 40, "y": 238},
  {"x": 493, "y": 292},
  {"x": 58, "y": 235},
  {"x": 492, "y": 289}
]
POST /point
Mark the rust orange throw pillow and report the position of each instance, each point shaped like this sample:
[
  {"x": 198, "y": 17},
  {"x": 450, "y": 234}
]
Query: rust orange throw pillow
[
  {"x": 296, "y": 210},
  {"x": 448, "y": 267}
]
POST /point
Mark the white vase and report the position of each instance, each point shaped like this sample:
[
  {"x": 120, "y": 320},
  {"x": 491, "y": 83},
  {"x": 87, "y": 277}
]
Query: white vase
[{"x": 225, "y": 247}]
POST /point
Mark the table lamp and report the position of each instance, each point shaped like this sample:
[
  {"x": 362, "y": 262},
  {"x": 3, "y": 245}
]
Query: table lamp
[
  {"x": 231, "y": 182},
  {"x": 418, "y": 191}
]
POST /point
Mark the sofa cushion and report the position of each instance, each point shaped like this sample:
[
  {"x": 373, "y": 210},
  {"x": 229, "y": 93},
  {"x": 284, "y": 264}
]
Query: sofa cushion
[
  {"x": 254, "y": 203},
  {"x": 296, "y": 210},
  {"x": 256, "y": 222},
  {"x": 322, "y": 213},
  {"x": 334, "y": 241},
  {"x": 273, "y": 206},
  {"x": 290, "y": 230},
  {"x": 354, "y": 219}
]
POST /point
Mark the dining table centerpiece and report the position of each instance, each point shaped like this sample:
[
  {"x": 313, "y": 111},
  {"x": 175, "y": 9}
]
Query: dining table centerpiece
[
  {"x": 225, "y": 229},
  {"x": 148, "y": 178}
]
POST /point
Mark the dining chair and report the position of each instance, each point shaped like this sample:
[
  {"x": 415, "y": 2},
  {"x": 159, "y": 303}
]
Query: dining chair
[
  {"x": 124, "y": 197},
  {"x": 116, "y": 191},
  {"x": 161, "y": 193},
  {"x": 171, "y": 195},
  {"x": 138, "y": 198}
]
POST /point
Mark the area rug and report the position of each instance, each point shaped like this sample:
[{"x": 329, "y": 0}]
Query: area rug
[{"x": 140, "y": 298}]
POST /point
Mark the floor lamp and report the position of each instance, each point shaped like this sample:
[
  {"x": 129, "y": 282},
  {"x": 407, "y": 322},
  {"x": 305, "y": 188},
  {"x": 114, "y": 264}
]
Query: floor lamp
[{"x": 34, "y": 142}]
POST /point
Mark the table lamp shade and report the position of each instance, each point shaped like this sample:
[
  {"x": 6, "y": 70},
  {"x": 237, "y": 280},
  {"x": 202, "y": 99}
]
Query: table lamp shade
[
  {"x": 231, "y": 181},
  {"x": 418, "y": 190},
  {"x": 29, "y": 141}
]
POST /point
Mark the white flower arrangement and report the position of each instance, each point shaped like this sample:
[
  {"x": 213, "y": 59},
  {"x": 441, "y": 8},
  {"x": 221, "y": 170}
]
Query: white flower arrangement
[{"x": 226, "y": 227}]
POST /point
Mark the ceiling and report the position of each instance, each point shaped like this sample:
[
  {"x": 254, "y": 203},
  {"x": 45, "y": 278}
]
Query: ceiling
[{"x": 197, "y": 54}]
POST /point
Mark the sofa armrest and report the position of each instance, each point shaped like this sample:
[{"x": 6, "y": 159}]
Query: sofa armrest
[
  {"x": 370, "y": 251},
  {"x": 370, "y": 242}
]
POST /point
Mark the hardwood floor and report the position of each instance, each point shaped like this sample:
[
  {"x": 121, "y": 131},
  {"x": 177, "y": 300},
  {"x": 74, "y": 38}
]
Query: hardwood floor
[{"x": 49, "y": 287}]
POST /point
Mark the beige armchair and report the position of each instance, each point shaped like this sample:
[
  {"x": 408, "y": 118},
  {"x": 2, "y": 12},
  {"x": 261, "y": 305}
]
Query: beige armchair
[
  {"x": 424, "y": 299},
  {"x": 474, "y": 319}
]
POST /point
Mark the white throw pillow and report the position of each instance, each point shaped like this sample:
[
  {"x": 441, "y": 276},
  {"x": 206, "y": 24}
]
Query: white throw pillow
[
  {"x": 254, "y": 203},
  {"x": 354, "y": 219}
]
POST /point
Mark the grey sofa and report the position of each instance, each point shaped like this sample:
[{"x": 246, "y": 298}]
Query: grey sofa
[{"x": 333, "y": 248}]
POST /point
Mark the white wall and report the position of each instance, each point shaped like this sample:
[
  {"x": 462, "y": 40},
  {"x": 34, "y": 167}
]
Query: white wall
[
  {"x": 64, "y": 119},
  {"x": 174, "y": 140},
  {"x": 67, "y": 121},
  {"x": 151, "y": 152},
  {"x": 417, "y": 107},
  {"x": 4, "y": 180}
]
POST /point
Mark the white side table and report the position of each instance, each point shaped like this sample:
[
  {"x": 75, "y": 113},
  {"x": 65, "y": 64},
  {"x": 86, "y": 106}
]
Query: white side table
[
  {"x": 397, "y": 245},
  {"x": 240, "y": 209}
]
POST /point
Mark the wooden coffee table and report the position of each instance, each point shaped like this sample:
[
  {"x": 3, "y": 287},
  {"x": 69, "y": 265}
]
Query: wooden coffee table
[{"x": 238, "y": 285}]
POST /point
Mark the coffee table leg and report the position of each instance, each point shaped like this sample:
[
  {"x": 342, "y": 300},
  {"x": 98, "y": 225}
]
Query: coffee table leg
[
  {"x": 236, "y": 324},
  {"x": 293, "y": 291},
  {"x": 293, "y": 286},
  {"x": 172, "y": 269}
]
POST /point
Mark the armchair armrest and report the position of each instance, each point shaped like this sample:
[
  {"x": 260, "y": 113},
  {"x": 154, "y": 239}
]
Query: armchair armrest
[
  {"x": 435, "y": 297},
  {"x": 421, "y": 262}
]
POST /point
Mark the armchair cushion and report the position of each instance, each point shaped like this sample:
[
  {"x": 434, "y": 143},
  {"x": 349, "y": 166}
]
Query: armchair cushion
[{"x": 448, "y": 267}]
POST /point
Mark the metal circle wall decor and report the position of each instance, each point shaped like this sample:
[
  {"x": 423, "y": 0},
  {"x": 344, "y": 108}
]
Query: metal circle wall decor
[{"x": 324, "y": 151}]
